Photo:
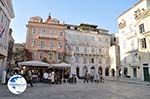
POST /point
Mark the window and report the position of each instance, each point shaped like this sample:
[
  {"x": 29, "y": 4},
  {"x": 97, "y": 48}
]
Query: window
[
  {"x": 60, "y": 34},
  {"x": 100, "y": 61},
  {"x": 76, "y": 28},
  {"x": 33, "y": 31},
  {"x": 141, "y": 28},
  {"x": 85, "y": 49},
  {"x": 33, "y": 55},
  {"x": 52, "y": 33},
  {"x": 84, "y": 60},
  {"x": 76, "y": 59},
  {"x": 43, "y": 30},
  {"x": 50, "y": 56},
  {"x": 143, "y": 43},
  {"x": 42, "y": 44},
  {"x": 68, "y": 27},
  {"x": 51, "y": 45},
  {"x": 59, "y": 45},
  {"x": 33, "y": 43},
  {"x": 93, "y": 50},
  {"x": 41, "y": 55},
  {"x": 114, "y": 39},
  {"x": 77, "y": 48},
  {"x": 92, "y": 60}
]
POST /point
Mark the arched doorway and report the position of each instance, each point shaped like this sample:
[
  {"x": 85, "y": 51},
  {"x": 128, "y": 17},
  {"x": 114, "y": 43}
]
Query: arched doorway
[
  {"x": 84, "y": 70},
  {"x": 125, "y": 71},
  {"x": 92, "y": 70},
  {"x": 77, "y": 71},
  {"x": 113, "y": 72},
  {"x": 100, "y": 70},
  {"x": 106, "y": 71}
]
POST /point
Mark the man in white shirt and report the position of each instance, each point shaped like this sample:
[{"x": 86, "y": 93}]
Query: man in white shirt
[{"x": 45, "y": 77}]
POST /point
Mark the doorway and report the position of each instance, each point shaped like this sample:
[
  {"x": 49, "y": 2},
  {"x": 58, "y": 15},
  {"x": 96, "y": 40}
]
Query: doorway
[
  {"x": 77, "y": 71},
  {"x": 106, "y": 71},
  {"x": 100, "y": 71},
  {"x": 134, "y": 72},
  {"x": 113, "y": 72},
  {"x": 146, "y": 74}
]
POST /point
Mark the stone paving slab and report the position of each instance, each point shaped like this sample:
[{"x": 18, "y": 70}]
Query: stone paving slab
[
  {"x": 106, "y": 90},
  {"x": 127, "y": 80}
]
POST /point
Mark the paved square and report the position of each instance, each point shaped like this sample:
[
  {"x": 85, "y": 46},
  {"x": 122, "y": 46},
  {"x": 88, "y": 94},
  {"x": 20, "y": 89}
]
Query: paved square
[{"x": 107, "y": 90}]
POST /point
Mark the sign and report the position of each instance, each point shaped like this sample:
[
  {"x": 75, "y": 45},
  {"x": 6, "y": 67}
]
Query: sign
[{"x": 17, "y": 84}]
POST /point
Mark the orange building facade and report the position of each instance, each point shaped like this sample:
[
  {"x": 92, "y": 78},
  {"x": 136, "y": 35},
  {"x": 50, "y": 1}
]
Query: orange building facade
[{"x": 46, "y": 39}]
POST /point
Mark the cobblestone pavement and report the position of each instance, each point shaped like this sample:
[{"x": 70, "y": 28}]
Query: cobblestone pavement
[{"x": 107, "y": 90}]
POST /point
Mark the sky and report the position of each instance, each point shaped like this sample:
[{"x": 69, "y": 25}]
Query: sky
[{"x": 103, "y": 13}]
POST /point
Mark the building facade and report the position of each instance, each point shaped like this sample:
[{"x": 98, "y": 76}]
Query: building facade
[
  {"x": 10, "y": 48},
  {"x": 144, "y": 44},
  {"x": 130, "y": 39},
  {"x": 87, "y": 49},
  {"x": 6, "y": 14},
  {"x": 84, "y": 46},
  {"x": 45, "y": 39},
  {"x": 114, "y": 54}
]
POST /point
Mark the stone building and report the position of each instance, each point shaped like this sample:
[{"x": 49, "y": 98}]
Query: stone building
[
  {"x": 6, "y": 14},
  {"x": 133, "y": 30},
  {"x": 45, "y": 39},
  {"x": 84, "y": 46},
  {"x": 87, "y": 49}
]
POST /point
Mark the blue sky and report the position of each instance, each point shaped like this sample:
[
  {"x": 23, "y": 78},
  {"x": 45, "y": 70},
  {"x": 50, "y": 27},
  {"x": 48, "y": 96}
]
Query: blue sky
[{"x": 104, "y": 13}]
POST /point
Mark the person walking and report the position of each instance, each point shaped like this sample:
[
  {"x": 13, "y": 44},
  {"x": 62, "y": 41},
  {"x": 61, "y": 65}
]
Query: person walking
[
  {"x": 29, "y": 77},
  {"x": 45, "y": 77},
  {"x": 53, "y": 77},
  {"x": 50, "y": 77},
  {"x": 86, "y": 77}
]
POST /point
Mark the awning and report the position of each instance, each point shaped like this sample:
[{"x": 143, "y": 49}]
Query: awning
[{"x": 34, "y": 63}]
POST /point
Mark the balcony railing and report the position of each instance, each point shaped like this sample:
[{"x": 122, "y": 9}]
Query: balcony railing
[
  {"x": 46, "y": 49},
  {"x": 48, "y": 36}
]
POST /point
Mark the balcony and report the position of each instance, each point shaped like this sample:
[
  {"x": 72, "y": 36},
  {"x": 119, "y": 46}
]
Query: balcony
[
  {"x": 45, "y": 36},
  {"x": 46, "y": 49}
]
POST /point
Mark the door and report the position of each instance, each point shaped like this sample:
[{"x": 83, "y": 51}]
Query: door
[
  {"x": 146, "y": 74},
  {"x": 77, "y": 71},
  {"x": 134, "y": 72}
]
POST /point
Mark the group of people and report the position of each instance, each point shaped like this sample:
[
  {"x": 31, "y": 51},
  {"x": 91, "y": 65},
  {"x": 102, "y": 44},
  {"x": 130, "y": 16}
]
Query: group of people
[
  {"x": 26, "y": 74},
  {"x": 93, "y": 78},
  {"x": 48, "y": 77}
]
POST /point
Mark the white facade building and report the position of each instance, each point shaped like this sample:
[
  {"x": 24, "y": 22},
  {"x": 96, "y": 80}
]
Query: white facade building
[
  {"x": 131, "y": 60},
  {"x": 87, "y": 50},
  {"x": 6, "y": 14}
]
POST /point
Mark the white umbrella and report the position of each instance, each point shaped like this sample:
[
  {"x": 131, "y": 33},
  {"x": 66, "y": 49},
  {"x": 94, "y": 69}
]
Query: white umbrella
[
  {"x": 33, "y": 63},
  {"x": 61, "y": 65}
]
